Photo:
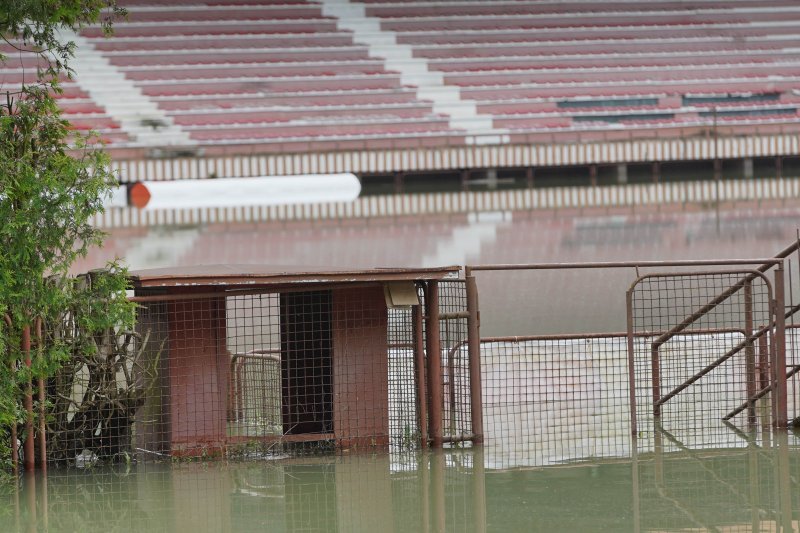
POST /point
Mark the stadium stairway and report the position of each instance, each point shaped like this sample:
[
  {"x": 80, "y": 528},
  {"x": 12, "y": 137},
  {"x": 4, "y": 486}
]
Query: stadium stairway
[
  {"x": 108, "y": 87},
  {"x": 447, "y": 100}
]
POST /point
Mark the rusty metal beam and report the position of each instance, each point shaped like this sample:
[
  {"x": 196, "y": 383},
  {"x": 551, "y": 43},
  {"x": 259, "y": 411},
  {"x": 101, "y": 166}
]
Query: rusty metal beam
[
  {"x": 779, "y": 370},
  {"x": 419, "y": 371},
  {"x": 759, "y": 394},
  {"x": 249, "y": 275},
  {"x": 769, "y": 262},
  {"x": 630, "y": 334},
  {"x": 434, "y": 364},
  {"x": 474, "y": 339},
  {"x": 749, "y": 351}
]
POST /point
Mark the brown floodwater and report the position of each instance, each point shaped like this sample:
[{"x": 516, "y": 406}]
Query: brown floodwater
[{"x": 749, "y": 487}]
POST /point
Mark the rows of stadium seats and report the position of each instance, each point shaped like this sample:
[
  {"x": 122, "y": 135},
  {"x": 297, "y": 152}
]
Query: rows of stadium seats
[
  {"x": 76, "y": 105},
  {"x": 250, "y": 72},
  {"x": 262, "y": 72},
  {"x": 587, "y": 65}
]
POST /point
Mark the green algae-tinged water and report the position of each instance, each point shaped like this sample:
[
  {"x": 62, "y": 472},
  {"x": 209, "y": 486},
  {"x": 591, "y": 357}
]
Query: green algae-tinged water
[{"x": 747, "y": 488}]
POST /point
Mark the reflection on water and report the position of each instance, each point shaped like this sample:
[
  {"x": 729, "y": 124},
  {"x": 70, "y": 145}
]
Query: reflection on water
[
  {"x": 512, "y": 303},
  {"x": 751, "y": 487}
]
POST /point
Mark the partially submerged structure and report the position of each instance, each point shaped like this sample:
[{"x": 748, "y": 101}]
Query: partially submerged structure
[
  {"x": 258, "y": 358},
  {"x": 249, "y": 360}
]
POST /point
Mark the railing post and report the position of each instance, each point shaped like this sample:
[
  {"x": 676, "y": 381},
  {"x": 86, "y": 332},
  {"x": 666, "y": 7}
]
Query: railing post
[
  {"x": 474, "y": 347},
  {"x": 779, "y": 368},
  {"x": 631, "y": 365},
  {"x": 749, "y": 351},
  {"x": 655, "y": 372},
  {"x": 419, "y": 367},
  {"x": 434, "y": 364}
]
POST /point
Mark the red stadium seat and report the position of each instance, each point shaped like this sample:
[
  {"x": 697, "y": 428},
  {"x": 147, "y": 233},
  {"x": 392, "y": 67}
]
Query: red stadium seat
[{"x": 250, "y": 72}]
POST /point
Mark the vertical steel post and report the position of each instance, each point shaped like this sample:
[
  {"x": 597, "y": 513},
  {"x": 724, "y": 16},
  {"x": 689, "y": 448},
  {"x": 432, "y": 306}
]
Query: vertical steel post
[
  {"x": 779, "y": 370},
  {"x": 631, "y": 366},
  {"x": 419, "y": 368},
  {"x": 474, "y": 346},
  {"x": 658, "y": 454},
  {"x": 30, "y": 454},
  {"x": 655, "y": 372},
  {"x": 749, "y": 351},
  {"x": 434, "y": 360}
]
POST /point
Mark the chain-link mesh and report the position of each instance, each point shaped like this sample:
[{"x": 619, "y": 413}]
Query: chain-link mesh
[
  {"x": 456, "y": 414},
  {"x": 245, "y": 375},
  {"x": 552, "y": 399},
  {"x": 792, "y": 371},
  {"x": 404, "y": 427},
  {"x": 701, "y": 359}
]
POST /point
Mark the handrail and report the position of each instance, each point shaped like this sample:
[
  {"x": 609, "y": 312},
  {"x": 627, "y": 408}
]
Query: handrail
[
  {"x": 760, "y": 394},
  {"x": 468, "y": 269},
  {"x": 705, "y": 309}
]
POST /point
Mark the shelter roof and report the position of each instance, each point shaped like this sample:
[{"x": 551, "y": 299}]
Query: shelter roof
[{"x": 243, "y": 276}]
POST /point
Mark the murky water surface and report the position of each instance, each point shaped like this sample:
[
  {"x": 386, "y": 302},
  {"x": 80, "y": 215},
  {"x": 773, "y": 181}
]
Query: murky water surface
[
  {"x": 558, "y": 301},
  {"x": 746, "y": 488}
]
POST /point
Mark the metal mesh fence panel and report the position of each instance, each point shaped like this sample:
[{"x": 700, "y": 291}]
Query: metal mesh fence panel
[
  {"x": 703, "y": 360},
  {"x": 243, "y": 375},
  {"x": 403, "y": 405},
  {"x": 553, "y": 399},
  {"x": 455, "y": 362},
  {"x": 793, "y": 372},
  {"x": 254, "y": 347}
]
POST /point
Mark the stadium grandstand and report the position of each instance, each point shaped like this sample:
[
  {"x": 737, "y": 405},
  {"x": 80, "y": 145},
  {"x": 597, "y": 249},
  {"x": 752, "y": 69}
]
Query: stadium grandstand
[{"x": 386, "y": 89}]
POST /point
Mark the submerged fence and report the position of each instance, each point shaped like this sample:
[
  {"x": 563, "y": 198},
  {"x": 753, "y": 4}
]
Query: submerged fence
[
  {"x": 706, "y": 354},
  {"x": 396, "y": 365}
]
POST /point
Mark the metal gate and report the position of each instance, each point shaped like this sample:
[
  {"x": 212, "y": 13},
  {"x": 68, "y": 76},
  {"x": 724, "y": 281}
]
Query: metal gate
[{"x": 706, "y": 349}]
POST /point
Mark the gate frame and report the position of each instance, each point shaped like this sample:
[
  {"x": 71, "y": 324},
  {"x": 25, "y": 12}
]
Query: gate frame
[
  {"x": 764, "y": 265},
  {"x": 777, "y": 322}
]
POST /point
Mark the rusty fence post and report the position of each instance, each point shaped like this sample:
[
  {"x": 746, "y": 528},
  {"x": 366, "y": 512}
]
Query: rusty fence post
[
  {"x": 750, "y": 352},
  {"x": 631, "y": 364},
  {"x": 419, "y": 367},
  {"x": 474, "y": 347},
  {"x": 779, "y": 368},
  {"x": 434, "y": 364},
  {"x": 655, "y": 372}
]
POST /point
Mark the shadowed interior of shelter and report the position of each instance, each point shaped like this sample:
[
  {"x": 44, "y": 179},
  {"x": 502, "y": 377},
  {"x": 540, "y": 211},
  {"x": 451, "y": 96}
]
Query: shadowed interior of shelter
[{"x": 307, "y": 377}]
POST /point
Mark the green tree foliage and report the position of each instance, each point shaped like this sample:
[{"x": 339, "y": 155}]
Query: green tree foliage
[{"x": 52, "y": 181}]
